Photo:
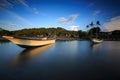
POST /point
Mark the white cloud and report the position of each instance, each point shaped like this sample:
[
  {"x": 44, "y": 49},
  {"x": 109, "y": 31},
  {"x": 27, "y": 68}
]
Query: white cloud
[
  {"x": 13, "y": 24},
  {"x": 5, "y": 4},
  {"x": 91, "y": 4},
  {"x": 10, "y": 25},
  {"x": 74, "y": 28},
  {"x": 35, "y": 10},
  {"x": 23, "y": 2},
  {"x": 69, "y": 20},
  {"x": 18, "y": 17},
  {"x": 113, "y": 24},
  {"x": 22, "y": 19},
  {"x": 95, "y": 13},
  {"x": 62, "y": 20}
]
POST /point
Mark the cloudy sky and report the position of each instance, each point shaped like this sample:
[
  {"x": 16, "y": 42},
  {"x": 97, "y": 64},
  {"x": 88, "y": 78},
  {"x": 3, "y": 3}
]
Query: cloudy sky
[{"x": 69, "y": 14}]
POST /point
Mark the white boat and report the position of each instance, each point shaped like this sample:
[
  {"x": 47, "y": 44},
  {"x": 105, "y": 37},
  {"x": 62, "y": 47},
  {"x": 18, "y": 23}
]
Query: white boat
[
  {"x": 26, "y": 43},
  {"x": 96, "y": 41}
]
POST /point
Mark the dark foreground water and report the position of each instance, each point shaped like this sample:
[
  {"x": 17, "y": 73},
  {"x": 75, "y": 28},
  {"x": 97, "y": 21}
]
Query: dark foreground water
[{"x": 75, "y": 60}]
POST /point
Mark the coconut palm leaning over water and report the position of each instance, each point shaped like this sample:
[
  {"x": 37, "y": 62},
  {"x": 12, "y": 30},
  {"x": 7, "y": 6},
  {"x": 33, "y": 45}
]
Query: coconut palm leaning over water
[{"x": 93, "y": 32}]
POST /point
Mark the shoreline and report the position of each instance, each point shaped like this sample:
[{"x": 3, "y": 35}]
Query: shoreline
[{"x": 68, "y": 39}]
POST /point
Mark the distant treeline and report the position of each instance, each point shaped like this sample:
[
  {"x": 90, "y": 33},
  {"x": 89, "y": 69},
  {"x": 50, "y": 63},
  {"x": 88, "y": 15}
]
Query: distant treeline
[
  {"x": 45, "y": 32},
  {"x": 62, "y": 33}
]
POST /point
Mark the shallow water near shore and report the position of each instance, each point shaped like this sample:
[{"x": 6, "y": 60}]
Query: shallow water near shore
[{"x": 70, "y": 60}]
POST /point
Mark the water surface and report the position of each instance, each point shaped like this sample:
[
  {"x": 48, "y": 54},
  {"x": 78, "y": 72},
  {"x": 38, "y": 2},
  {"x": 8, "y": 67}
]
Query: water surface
[{"x": 73, "y": 60}]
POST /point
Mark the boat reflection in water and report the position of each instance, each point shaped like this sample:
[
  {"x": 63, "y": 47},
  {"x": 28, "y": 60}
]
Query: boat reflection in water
[
  {"x": 95, "y": 47},
  {"x": 29, "y": 54},
  {"x": 4, "y": 42}
]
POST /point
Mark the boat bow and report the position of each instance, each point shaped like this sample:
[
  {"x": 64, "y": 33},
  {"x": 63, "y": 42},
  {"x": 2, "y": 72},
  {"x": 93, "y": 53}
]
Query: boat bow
[{"x": 29, "y": 42}]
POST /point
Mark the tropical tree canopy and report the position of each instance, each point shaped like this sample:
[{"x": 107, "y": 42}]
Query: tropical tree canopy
[{"x": 98, "y": 23}]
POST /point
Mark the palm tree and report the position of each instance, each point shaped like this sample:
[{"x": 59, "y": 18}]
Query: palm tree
[
  {"x": 98, "y": 23},
  {"x": 97, "y": 29},
  {"x": 87, "y": 26},
  {"x": 94, "y": 29},
  {"x": 91, "y": 24}
]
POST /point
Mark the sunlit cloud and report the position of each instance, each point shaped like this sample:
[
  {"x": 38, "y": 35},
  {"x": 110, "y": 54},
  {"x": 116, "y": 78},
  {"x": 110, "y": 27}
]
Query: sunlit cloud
[
  {"x": 74, "y": 28},
  {"x": 68, "y": 20},
  {"x": 113, "y": 24},
  {"x": 62, "y": 20}
]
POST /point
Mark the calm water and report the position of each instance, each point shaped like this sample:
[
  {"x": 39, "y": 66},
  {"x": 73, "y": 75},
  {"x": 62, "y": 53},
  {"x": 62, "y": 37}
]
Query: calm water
[{"x": 75, "y": 60}]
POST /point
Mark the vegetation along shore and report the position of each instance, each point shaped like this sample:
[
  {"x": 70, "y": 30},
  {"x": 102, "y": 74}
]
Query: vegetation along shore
[{"x": 61, "y": 34}]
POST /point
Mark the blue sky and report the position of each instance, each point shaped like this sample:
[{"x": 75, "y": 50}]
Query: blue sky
[{"x": 69, "y": 14}]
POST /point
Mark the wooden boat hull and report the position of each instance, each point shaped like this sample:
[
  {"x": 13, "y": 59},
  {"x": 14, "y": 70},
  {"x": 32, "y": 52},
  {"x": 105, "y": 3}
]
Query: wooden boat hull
[
  {"x": 96, "y": 41},
  {"x": 28, "y": 46},
  {"x": 26, "y": 43}
]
